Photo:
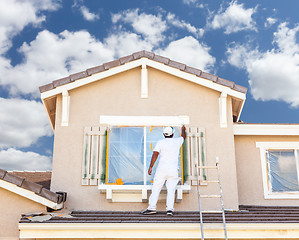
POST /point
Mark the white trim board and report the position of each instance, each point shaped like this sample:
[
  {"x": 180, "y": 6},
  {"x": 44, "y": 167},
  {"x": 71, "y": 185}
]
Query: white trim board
[
  {"x": 161, "y": 230},
  {"x": 29, "y": 194},
  {"x": 144, "y": 120},
  {"x": 136, "y": 193},
  {"x": 143, "y": 62},
  {"x": 266, "y": 129}
]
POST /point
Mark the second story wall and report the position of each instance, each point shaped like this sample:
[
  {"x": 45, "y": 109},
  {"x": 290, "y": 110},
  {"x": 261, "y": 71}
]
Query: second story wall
[{"x": 120, "y": 95}]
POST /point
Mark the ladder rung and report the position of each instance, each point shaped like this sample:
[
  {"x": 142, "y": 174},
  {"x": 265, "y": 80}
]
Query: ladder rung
[
  {"x": 207, "y": 167},
  {"x": 210, "y": 196},
  {"x": 209, "y": 181}
]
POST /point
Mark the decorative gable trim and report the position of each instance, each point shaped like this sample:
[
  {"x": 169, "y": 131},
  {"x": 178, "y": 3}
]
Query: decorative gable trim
[{"x": 205, "y": 80}]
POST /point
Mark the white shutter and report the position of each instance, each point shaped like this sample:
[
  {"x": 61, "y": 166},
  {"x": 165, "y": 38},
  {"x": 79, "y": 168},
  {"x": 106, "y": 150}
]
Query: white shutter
[
  {"x": 196, "y": 153},
  {"x": 93, "y": 154}
]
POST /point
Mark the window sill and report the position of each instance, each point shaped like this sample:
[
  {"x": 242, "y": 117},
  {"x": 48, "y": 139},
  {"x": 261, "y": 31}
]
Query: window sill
[
  {"x": 137, "y": 193},
  {"x": 284, "y": 195}
]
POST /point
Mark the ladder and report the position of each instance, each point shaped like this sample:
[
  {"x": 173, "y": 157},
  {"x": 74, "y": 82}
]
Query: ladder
[{"x": 220, "y": 196}]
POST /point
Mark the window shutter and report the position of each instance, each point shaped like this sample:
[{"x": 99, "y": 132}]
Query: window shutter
[
  {"x": 94, "y": 152},
  {"x": 196, "y": 153}
]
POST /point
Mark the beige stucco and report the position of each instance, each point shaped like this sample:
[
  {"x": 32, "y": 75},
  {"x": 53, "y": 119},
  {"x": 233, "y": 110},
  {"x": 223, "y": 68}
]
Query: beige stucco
[
  {"x": 249, "y": 170},
  {"x": 12, "y": 206},
  {"x": 120, "y": 95}
]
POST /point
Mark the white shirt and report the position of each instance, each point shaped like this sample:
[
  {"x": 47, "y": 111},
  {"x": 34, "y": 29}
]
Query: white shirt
[{"x": 169, "y": 149}]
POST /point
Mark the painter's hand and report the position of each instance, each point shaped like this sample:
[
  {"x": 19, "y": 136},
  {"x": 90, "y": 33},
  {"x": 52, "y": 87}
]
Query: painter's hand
[{"x": 150, "y": 171}]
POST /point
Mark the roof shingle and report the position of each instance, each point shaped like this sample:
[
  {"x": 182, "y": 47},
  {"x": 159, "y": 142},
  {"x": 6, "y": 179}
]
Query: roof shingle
[
  {"x": 246, "y": 214},
  {"x": 138, "y": 55},
  {"x": 18, "y": 178}
]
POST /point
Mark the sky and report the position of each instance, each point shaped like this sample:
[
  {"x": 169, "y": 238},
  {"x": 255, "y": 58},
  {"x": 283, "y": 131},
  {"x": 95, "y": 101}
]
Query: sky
[{"x": 252, "y": 43}]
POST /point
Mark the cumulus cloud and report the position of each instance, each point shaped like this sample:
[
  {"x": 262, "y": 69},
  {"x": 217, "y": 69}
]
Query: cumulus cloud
[
  {"x": 233, "y": 19},
  {"x": 274, "y": 74},
  {"x": 189, "y": 51},
  {"x": 22, "y": 122},
  {"x": 270, "y": 21},
  {"x": 172, "y": 19},
  {"x": 52, "y": 56},
  {"x": 89, "y": 16},
  {"x": 16, "y": 14},
  {"x": 12, "y": 159},
  {"x": 150, "y": 26}
]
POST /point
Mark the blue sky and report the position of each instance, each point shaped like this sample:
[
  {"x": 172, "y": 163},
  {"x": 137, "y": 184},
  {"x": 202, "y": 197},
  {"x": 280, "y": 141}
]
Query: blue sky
[{"x": 253, "y": 43}]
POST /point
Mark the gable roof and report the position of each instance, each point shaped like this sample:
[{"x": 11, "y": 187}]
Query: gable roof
[
  {"x": 136, "y": 56},
  {"x": 141, "y": 59},
  {"x": 31, "y": 190}
]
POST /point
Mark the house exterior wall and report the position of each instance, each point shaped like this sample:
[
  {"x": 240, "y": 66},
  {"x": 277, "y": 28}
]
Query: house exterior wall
[
  {"x": 12, "y": 206},
  {"x": 249, "y": 170},
  {"x": 120, "y": 95}
]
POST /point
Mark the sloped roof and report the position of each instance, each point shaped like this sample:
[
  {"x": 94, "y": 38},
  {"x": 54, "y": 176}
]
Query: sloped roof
[
  {"x": 40, "y": 177},
  {"x": 17, "y": 184},
  {"x": 135, "y": 56},
  {"x": 246, "y": 214}
]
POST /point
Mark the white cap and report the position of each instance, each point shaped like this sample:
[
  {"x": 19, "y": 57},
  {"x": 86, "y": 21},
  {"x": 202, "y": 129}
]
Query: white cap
[{"x": 168, "y": 131}]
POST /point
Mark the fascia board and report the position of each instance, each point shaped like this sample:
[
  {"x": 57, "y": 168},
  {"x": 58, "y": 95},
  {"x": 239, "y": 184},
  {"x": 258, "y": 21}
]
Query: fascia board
[
  {"x": 29, "y": 195},
  {"x": 130, "y": 65},
  {"x": 266, "y": 129},
  {"x": 162, "y": 230},
  {"x": 92, "y": 78}
]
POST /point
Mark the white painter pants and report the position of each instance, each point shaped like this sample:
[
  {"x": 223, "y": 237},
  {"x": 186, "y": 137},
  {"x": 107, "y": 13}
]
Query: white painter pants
[{"x": 171, "y": 178}]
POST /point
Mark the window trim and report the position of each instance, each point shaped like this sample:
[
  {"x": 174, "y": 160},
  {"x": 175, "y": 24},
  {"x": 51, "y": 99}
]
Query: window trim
[{"x": 263, "y": 146}]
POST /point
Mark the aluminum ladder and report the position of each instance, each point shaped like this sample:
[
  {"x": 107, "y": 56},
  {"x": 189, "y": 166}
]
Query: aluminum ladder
[{"x": 220, "y": 196}]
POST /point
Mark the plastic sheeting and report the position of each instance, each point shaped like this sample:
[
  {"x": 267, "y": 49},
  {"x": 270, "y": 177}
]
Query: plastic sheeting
[
  {"x": 126, "y": 149},
  {"x": 282, "y": 170}
]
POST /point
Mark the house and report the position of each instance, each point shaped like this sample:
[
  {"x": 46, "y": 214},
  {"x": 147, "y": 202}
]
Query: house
[{"x": 106, "y": 121}]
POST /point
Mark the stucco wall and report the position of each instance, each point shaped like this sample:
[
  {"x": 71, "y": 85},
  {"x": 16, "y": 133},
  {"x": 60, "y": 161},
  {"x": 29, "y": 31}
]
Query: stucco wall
[
  {"x": 12, "y": 206},
  {"x": 120, "y": 95},
  {"x": 249, "y": 170}
]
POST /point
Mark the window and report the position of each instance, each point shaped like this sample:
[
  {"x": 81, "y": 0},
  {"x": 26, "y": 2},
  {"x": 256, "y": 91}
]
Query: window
[
  {"x": 280, "y": 164},
  {"x": 282, "y": 170},
  {"x": 129, "y": 154}
]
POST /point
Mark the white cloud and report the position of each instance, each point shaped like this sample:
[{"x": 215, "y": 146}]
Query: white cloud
[
  {"x": 89, "y": 16},
  {"x": 124, "y": 43},
  {"x": 234, "y": 19},
  {"x": 274, "y": 74},
  {"x": 12, "y": 159},
  {"x": 270, "y": 21},
  {"x": 189, "y": 51},
  {"x": 22, "y": 122},
  {"x": 52, "y": 56},
  {"x": 16, "y": 14},
  {"x": 172, "y": 19},
  {"x": 149, "y": 26},
  {"x": 194, "y": 2}
]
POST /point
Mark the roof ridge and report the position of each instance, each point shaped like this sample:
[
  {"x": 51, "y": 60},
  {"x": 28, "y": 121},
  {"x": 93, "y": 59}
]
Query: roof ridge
[
  {"x": 31, "y": 186},
  {"x": 135, "y": 56}
]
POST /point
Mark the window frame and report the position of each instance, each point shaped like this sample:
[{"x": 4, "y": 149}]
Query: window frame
[
  {"x": 144, "y": 157},
  {"x": 264, "y": 147}
]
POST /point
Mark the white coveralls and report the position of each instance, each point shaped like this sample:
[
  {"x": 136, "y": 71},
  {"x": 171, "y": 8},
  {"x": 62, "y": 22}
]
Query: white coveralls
[{"x": 167, "y": 170}]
